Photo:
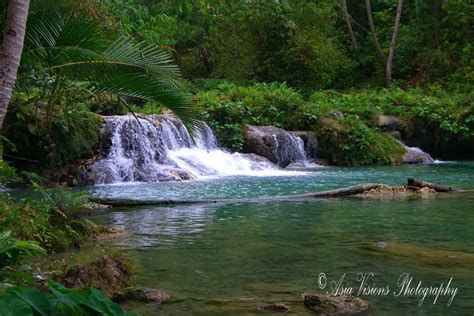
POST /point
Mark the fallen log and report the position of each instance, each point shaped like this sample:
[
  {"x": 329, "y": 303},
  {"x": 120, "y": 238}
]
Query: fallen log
[
  {"x": 117, "y": 202},
  {"x": 412, "y": 182},
  {"x": 360, "y": 189}
]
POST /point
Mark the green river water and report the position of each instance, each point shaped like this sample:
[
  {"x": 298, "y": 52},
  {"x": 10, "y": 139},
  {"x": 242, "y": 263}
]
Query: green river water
[{"x": 229, "y": 259}]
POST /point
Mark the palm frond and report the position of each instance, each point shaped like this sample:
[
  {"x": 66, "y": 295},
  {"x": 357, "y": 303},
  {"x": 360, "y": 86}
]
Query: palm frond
[{"x": 71, "y": 45}]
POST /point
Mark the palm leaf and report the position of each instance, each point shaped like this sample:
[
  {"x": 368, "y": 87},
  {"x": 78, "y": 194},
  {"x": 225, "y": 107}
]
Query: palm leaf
[{"x": 71, "y": 45}]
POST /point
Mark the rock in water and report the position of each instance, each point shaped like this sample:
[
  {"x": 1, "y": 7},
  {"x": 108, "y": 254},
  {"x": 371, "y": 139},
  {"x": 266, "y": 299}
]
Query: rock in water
[
  {"x": 110, "y": 275},
  {"x": 331, "y": 304},
  {"x": 274, "y": 308},
  {"x": 381, "y": 244},
  {"x": 276, "y": 144},
  {"x": 147, "y": 295},
  {"x": 416, "y": 155}
]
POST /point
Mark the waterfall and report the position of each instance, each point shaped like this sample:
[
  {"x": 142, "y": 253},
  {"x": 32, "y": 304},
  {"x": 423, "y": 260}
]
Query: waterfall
[
  {"x": 159, "y": 148},
  {"x": 287, "y": 148}
]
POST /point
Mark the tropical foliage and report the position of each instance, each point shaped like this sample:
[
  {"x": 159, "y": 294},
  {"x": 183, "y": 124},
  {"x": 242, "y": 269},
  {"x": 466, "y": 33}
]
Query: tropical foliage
[
  {"x": 346, "y": 122},
  {"x": 307, "y": 43},
  {"x": 58, "y": 300}
]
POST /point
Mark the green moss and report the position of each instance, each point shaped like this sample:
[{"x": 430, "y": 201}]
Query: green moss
[{"x": 386, "y": 149}]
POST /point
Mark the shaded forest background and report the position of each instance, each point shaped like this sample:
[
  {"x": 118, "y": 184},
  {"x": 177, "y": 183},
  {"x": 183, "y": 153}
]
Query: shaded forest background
[
  {"x": 299, "y": 65},
  {"x": 308, "y": 44}
]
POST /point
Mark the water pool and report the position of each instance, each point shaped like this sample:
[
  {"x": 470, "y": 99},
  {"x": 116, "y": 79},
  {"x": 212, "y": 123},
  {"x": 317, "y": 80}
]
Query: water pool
[{"x": 229, "y": 259}]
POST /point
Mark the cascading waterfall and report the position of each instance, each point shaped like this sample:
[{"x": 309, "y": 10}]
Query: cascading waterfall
[
  {"x": 159, "y": 148},
  {"x": 288, "y": 148}
]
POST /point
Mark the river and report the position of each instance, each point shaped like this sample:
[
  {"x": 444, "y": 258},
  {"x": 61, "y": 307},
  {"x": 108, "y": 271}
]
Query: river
[{"x": 229, "y": 259}]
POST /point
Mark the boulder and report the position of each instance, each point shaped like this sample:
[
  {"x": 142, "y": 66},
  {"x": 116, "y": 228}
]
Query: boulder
[
  {"x": 111, "y": 275},
  {"x": 273, "y": 143},
  {"x": 416, "y": 155},
  {"x": 332, "y": 304},
  {"x": 147, "y": 295},
  {"x": 389, "y": 123},
  {"x": 182, "y": 175}
]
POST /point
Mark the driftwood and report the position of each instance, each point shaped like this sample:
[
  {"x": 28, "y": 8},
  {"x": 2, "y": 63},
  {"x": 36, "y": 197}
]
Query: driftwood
[
  {"x": 357, "y": 189},
  {"x": 422, "y": 184},
  {"x": 413, "y": 185}
]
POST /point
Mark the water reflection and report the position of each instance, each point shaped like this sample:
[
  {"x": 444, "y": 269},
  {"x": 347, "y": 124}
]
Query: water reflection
[{"x": 159, "y": 226}]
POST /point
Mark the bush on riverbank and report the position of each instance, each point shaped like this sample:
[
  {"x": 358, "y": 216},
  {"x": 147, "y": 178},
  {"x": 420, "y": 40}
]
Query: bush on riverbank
[
  {"x": 51, "y": 217},
  {"x": 58, "y": 300},
  {"x": 228, "y": 107},
  {"x": 44, "y": 139},
  {"x": 439, "y": 121},
  {"x": 49, "y": 222}
]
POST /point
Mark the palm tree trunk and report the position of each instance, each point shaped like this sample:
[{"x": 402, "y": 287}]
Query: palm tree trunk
[
  {"x": 391, "y": 51},
  {"x": 12, "y": 47},
  {"x": 378, "y": 48}
]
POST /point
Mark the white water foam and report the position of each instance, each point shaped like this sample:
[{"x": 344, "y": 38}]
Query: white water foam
[{"x": 159, "y": 148}]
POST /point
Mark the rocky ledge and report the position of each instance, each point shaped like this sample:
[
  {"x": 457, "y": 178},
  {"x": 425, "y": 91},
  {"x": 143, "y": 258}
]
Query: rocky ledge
[{"x": 275, "y": 144}]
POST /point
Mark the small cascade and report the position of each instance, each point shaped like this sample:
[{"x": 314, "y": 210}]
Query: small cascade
[
  {"x": 279, "y": 146},
  {"x": 159, "y": 148},
  {"x": 291, "y": 148}
]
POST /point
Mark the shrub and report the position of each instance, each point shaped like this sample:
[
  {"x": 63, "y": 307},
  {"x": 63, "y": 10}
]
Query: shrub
[
  {"x": 52, "y": 218},
  {"x": 56, "y": 140},
  {"x": 11, "y": 251},
  {"x": 228, "y": 107}
]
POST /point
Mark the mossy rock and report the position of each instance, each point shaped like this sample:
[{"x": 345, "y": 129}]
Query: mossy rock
[
  {"x": 347, "y": 141},
  {"x": 113, "y": 275}
]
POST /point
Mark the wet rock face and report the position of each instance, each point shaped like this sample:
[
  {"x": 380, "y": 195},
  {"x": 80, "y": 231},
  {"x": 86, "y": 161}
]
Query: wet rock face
[
  {"x": 330, "y": 304},
  {"x": 108, "y": 274},
  {"x": 416, "y": 155},
  {"x": 276, "y": 144},
  {"x": 310, "y": 142}
]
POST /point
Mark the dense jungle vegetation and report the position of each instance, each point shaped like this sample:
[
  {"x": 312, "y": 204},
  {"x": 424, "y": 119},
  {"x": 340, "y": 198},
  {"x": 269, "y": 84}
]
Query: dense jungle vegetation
[
  {"x": 331, "y": 66},
  {"x": 283, "y": 63}
]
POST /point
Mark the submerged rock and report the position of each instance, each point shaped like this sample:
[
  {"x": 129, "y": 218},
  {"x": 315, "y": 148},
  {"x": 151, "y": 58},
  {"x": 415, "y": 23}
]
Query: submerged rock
[
  {"x": 275, "y": 144},
  {"x": 111, "y": 275},
  {"x": 331, "y": 304},
  {"x": 381, "y": 244},
  {"x": 147, "y": 295},
  {"x": 426, "y": 255},
  {"x": 274, "y": 308}
]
